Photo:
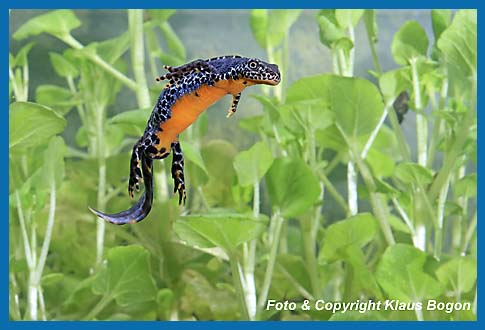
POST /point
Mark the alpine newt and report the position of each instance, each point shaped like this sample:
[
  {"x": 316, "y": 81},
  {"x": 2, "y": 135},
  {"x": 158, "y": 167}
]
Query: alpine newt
[{"x": 192, "y": 88}]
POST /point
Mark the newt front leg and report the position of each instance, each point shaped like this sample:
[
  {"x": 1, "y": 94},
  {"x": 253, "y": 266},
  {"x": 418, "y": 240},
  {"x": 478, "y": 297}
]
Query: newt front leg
[{"x": 235, "y": 102}]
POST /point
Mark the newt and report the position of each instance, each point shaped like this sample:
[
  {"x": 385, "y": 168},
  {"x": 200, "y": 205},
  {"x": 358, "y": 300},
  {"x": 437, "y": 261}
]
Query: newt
[{"x": 191, "y": 89}]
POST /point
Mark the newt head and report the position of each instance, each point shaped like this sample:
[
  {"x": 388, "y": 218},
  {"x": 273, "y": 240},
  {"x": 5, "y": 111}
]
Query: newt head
[{"x": 259, "y": 72}]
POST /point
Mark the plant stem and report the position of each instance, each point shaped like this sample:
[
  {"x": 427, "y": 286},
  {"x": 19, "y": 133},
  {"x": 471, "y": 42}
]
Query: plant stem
[
  {"x": 23, "y": 229},
  {"x": 376, "y": 130},
  {"x": 333, "y": 191},
  {"x": 42, "y": 304},
  {"x": 135, "y": 22},
  {"x": 419, "y": 314},
  {"x": 48, "y": 232},
  {"x": 401, "y": 139},
  {"x": 105, "y": 300},
  {"x": 407, "y": 221},
  {"x": 455, "y": 151},
  {"x": 15, "y": 88},
  {"x": 342, "y": 61},
  {"x": 263, "y": 295},
  {"x": 469, "y": 233},
  {"x": 249, "y": 260},
  {"x": 436, "y": 134},
  {"x": 32, "y": 297},
  {"x": 32, "y": 285},
  {"x": 14, "y": 311},
  {"x": 379, "y": 206},
  {"x": 309, "y": 244},
  {"x": 373, "y": 50},
  {"x": 421, "y": 123},
  {"x": 351, "y": 52},
  {"x": 71, "y": 41},
  {"x": 101, "y": 201},
  {"x": 79, "y": 107},
  {"x": 438, "y": 236},
  {"x": 237, "y": 279},
  {"x": 296, "y": 285},
  {"x": 352, "y": 197},
  {"x": 25, "y": 74}
]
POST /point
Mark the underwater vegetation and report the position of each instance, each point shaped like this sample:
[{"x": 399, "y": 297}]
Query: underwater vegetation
[{"x": 349, "y": 183}]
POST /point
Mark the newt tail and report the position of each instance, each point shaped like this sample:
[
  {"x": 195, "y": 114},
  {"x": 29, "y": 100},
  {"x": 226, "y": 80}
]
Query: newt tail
[
  {"x": 140, "y": 210},
  {"x": 191, "y": 89}
]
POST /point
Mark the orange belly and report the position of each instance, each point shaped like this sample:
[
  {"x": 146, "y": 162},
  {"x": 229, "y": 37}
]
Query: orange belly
[{"x": 186, "y": 110}]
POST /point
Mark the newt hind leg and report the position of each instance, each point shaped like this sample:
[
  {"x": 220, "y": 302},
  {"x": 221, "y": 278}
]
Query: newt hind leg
[
  {"x": 178, "y": 172},
  {"x": 135, "y": 168},
  {"x": 147, "y": 147}
]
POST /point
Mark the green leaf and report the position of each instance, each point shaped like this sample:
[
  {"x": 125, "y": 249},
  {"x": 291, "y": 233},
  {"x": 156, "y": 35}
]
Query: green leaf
[
  {"x": 357, "y": 230},
  {"x": 258, "y": 21},
  {"x": 63, "y": 66},
  {"x": 466, "y": 186},
  {"x": 173, "y": 41},
  {"x": 401, "y": 274},
  {"x": 292, "y": 186},
  {"x": 200, "y": 297},
  {"x": 193, "y": 154},
  {"x": 270, "y": 105},
  {"x": 59, "y": 98},
  {"x": 412, "y": 173},
  {"x": 165, "y": 298},
  {"x": 218, "y": 157},
  {"x": 279, "y": 24},
  {"x": 356, "y": 103},
  {"x": 398, "y": 225},
  {"x": 312, "y": 90},
  {"x": 409, "y": 42},
  {"x": 251, "y": 165},
  {"x": 458, "y": 44},
  {"x": 331, "y": 138},
  {"x": 440, "y": 18},
  {"x": 393, "y": 82},
  {"x": 161, "y": 15},
  {"x": 114, "y": 136},
  {"x": 112, "y": 49},
  {"x": 290, "y": 269},
  {"x": 330, "y": 31},
  {"x": 21, "y": 58},
  {"x": 53, "y": 167},
  {"x": 271, "y": 27},
  {"x": 51, "y": 279},
  {"x": 225, "y": 230},
  {"x": 82, "y": 137},
  {"x": 126, "y": 277},
  {"x": 32, "y": 125},
  {"x": 381, "y": 163},
  {"x": 344, "y": 240},
  {"x": 169, "y": 59},
  {"x": 348, "y": 17},
  {"x": 58, "y": 23},
  {"x": 132, "y": 122},
  {"x": 345, "y": 44},
  {"x": 458, "y": 275}
]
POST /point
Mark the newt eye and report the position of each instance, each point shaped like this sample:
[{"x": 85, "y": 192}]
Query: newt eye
[{"x": 253, "y": 64}]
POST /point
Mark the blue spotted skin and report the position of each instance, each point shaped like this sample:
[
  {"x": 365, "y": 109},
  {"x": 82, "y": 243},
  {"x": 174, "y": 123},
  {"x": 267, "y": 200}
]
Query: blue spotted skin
[{"x": 191, "y": 89}]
